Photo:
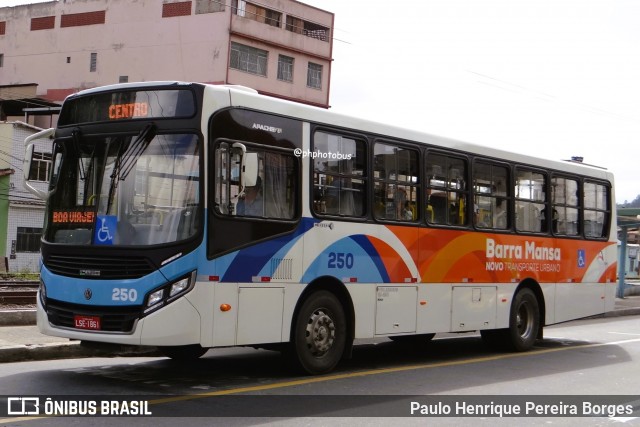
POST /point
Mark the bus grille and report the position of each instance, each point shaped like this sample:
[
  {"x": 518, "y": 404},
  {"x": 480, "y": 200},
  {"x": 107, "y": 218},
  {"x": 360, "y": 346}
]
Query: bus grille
[
  {"x": 99, "y": 267},
  {"x": 112, "y": 319}
]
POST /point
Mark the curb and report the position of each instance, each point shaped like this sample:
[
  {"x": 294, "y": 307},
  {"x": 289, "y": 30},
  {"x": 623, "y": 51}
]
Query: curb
[
  {"x": 72, "y": 350},
  {"x": 20, "y": 317}
]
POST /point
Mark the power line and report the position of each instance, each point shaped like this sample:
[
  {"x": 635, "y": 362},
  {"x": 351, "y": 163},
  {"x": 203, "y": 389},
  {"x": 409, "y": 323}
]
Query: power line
[{"x": 535, "y": 93}]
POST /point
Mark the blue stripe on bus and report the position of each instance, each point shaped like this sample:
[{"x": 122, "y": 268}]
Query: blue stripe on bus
[
  {"x": 349, "y": 257},
  {"x": 250, "y": 261},
  {"x": 366, "y": 244},
  {"x": 103, "y": 292}
]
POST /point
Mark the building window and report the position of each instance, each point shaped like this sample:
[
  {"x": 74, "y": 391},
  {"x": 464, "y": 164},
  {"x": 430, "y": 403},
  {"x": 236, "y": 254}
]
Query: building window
[
  {"x": 3, "y": 27},
  {"x": 93, "y": 63},
  {"x": 309, "y": 29},
  {"x": 123, "y": 79},
  {"x": 209, "y": 6},
  {"x": 28, "y": 239},
  {"x": 248, "y": 59},
  {"x": 1, "y": 60},
  {"x": 257, "y": 13},
  {"x": 314, "y": 76},
  {"x": 68, "y": 60},
  {"x": 40, "y": 165},
  {"x": 285, "y": 68}
]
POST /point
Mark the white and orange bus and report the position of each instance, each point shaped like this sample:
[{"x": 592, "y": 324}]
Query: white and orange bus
[{"x": 191, "y": 216}]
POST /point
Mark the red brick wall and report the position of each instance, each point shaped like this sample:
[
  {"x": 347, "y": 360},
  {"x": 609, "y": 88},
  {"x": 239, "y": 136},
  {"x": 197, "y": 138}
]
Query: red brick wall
[
  {"x": 56, "y": 95},
  {"x": 79, "y": 19},
  {"x": 182, "y": 8},
  {"x": 43, "y": 23},
  {"x": 3, "y": 27}
]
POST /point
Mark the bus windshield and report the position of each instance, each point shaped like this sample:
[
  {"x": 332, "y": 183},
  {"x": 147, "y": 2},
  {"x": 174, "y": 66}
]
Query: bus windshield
[{"x": 124, "y": 190}]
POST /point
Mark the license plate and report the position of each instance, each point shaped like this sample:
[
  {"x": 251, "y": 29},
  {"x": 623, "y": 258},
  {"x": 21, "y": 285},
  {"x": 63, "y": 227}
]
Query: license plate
[{"x": 86, "y": 322}]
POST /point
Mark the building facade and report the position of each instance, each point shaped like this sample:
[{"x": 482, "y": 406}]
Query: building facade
[
  {"x": 22, "y": 213},
  {"x": 281, "y": 48}
]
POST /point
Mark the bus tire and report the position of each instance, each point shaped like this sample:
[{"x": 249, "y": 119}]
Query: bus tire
[
  {"x": 184, "y": 353},
  {"x": 524, "y": 325},
  {"x": 524, "y": 321},
  {"x": 320, "y": 333}
]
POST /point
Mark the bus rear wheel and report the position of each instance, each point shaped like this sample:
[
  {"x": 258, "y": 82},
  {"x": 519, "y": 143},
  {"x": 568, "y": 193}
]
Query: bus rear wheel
[
  {"x": 524, "y": 324},
  {"x": 320, "y": 333},
  {"x": 524, "y": 320}
]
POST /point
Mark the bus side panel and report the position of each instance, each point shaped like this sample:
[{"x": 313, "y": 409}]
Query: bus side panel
[
  {"x": 549, "y": 293},
  {"x": 176, "y": 324},
  {"x": 576, "y": 300},
  {"x": 364, "y": 305},
  {"x": 225, "y": 322},
  {"x": 201, "y": 297},
  {"x": 435, "y": 314}
]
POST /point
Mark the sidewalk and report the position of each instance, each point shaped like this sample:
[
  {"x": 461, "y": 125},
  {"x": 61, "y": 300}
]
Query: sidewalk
[{"x": 20, "y": 339}]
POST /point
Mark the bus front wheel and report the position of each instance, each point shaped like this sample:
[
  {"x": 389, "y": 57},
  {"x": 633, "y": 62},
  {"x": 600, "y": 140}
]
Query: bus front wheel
[
  {"x": 320, "y": 333},
  {"x": 184, "y": 353}
]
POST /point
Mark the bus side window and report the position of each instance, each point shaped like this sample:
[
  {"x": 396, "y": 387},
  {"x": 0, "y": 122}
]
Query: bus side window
[
  {"x": 447, "y": 190},
  {"x": 339, "y": 175},
  {"x": 275, "y": 191},
  {"x": 530, "y": 192}
]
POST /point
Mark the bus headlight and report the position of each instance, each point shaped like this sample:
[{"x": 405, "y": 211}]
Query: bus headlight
[
  {"x": 155, "y": 297},
  {"x": 170, "y": 292},
  {"x": 179, "y": 286}
]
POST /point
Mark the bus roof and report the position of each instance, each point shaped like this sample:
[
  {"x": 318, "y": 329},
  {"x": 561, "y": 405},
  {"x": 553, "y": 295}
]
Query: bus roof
[
  {"x": 244, "y": 97},
  {"x": 252, "y": 100}
]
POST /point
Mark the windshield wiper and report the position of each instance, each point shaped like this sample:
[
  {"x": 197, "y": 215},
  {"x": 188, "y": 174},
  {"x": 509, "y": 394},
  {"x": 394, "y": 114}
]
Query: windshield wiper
[
  {"x": 75, "y": 138},
  {"x": 135, "y": 150},
  {"x": 121, "y": 168}
]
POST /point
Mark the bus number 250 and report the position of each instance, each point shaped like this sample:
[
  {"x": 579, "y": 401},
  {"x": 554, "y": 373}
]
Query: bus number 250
[
  {"x": 340, "y": 260},
  {"x": 124, "y": 294}
]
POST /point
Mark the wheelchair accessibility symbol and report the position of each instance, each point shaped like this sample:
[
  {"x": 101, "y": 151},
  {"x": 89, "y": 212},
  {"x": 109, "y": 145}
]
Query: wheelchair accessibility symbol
[
  {"x": 582, "y": 258},
  {"x": 105, "y": 229}
]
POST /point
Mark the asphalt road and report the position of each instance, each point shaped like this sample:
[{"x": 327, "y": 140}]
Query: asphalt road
[{"x": 577, "y": 362}]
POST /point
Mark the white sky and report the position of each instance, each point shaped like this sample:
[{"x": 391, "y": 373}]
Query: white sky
[{"x": 555, "y": 78}]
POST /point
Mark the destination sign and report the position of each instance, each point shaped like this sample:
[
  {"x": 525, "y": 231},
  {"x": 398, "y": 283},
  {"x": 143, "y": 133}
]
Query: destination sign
[
  {"x": 128, "y": 105},
  {"x": 73, "y": 217},
  {"x": 128, "y": 111}
]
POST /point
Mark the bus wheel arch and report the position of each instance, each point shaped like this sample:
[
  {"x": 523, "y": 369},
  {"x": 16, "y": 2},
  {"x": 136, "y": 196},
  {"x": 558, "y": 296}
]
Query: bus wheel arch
[{"x": 322, "y": 327}]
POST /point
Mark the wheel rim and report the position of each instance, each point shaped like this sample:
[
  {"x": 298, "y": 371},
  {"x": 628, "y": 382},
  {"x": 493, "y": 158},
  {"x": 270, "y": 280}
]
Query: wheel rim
[
  {"x": 524, "y": 320},
  {"x": 320, "y": 333}
]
